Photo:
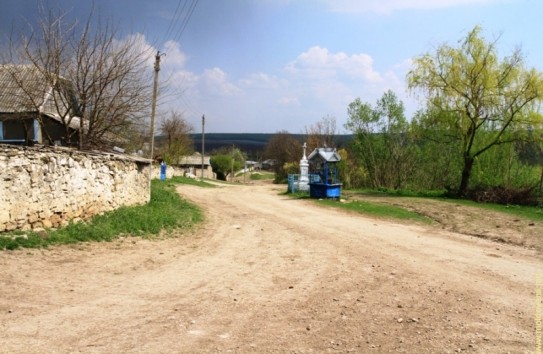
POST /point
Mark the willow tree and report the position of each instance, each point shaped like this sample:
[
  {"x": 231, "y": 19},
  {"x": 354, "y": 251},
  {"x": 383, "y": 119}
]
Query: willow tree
[{"x": 482, "y": 100}]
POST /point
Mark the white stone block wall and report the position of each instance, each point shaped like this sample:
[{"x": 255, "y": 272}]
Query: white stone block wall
[
  {"x": 175, "y": 171},
  {"x": 44, "y": 187}
]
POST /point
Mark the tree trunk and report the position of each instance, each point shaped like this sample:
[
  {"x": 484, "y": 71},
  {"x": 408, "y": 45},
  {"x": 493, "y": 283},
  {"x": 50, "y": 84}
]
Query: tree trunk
[
  {"x": 466, "y": 174},
  {"x": 541, "y": 183}
]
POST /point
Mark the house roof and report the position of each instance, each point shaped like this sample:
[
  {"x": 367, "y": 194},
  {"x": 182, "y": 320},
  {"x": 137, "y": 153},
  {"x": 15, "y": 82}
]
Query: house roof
[
  {"x": 25, "y": 89},
  {"x": 194, "y": 160},
  {"x": 326, "y": 154}
]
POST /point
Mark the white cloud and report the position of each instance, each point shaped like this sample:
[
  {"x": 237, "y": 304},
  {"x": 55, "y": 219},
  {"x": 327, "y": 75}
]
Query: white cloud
[
  {"x": 263, "y": 80},
  {"x": 139, "y": 46},
  {"x": 389, "y": 6},
  {"x": 319, "y": 64},
  {"x": 175, "y": 57},
  {"x": 216, "y": 83},
  {"x": 288, "y": 101},
  {"x": 316, "y": 83},
  {"x": 326, "y": 81}
]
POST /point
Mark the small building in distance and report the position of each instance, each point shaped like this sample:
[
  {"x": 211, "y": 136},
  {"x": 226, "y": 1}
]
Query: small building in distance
[
  {"x": 324, "y": 180},
  {"x": 192, "y": 165}
]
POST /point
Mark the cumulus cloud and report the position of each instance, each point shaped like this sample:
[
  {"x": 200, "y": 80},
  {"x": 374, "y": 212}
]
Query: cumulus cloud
[
  {"x": 389, "y": 6},
  {"x": 262, "y": 80},
  {"x": 333, "y": 80},
  {"x": 318, "y": 63},
  {"x": 139, "y": 46},
  {"x": 175, "y": 56},
  {"x": 217, "y": 83},
  {"x": 316, "y": 83}
]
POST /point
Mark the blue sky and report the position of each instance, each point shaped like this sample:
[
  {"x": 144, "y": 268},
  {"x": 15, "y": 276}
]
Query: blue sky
[{"x": 261, "y": 66}]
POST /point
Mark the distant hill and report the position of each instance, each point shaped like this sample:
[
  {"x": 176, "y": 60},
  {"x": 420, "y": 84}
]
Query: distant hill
[{"x": 252, "y": 144}]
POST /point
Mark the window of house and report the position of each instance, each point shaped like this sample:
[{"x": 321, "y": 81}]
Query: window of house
[{"x": 17, "y": 129}]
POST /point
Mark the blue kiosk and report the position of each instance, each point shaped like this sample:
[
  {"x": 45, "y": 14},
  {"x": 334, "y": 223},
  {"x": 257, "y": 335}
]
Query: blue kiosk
[{"x": 324, "y": 181}]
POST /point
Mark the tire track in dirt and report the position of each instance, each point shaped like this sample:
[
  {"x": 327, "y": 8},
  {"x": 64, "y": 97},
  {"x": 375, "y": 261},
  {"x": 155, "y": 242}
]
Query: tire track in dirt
[{"x": 266, "y": 273}]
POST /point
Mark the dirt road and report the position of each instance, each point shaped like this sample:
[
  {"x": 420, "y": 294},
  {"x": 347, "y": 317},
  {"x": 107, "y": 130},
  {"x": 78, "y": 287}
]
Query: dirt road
[{"x": 269, "y": 274}]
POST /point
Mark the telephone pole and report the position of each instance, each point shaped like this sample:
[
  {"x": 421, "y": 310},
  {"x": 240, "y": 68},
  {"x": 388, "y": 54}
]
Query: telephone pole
[
  {"x": 203, "y": 144},
  {"x": 153, "y": 108}
]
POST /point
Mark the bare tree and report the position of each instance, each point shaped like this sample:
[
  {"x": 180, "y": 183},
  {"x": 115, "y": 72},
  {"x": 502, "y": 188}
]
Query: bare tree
[
  {"x": 178, "y": 142},
  {"x": 321, "y": 133},
  {"x": 283, "y": 148},
  {"x": 105, "y": 78},
  {"x": 25, "y": 97}
]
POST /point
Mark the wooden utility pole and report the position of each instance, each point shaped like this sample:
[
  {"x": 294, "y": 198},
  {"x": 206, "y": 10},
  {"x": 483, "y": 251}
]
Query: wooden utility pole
[
  {"x": 153, "y": 109},
  {"x": 232, "y": 166},
  {"x": 203, "y": 144}
]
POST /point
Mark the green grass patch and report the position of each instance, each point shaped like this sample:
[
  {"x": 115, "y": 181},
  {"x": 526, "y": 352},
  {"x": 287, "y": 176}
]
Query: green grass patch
[
  {"x": 165, "y": 211},
  {"x": 396, "y": 193},
  {"x": 297, "y": 194},
  {"x": 191, "y": 181},
  {"x": 256, "y": 176},
  {"x": 377, "y": 210},
  {"x": 534, "y": 213}
]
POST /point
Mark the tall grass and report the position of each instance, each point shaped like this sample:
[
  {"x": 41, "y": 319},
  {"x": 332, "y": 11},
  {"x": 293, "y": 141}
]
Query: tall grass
[{"x": 165, "y": 211}]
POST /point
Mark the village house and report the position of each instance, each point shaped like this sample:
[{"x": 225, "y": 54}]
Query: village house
[
  {"x": 36, "y": 108},
  {"x": 192, "y": 165}
]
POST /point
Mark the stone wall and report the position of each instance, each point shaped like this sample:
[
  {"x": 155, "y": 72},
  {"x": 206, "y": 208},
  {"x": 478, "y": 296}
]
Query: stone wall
[
  {"x": 175, "y": 171},
  {"x": 44, "y": 187}
]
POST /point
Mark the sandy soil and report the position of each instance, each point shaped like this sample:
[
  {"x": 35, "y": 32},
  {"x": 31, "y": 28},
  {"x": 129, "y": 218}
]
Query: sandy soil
[{"x": 270, "y": 274}]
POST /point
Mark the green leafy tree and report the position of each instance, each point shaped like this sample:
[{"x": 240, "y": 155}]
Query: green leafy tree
[
  {"x": 352, "y": 175},
  {"x": 382, "y": 140},
  {"x": 226, "y": 162},
  {"x": 438, "y": 157},
  {"x": 478, "y": 98},
  {"x": 531, "y": 152}
]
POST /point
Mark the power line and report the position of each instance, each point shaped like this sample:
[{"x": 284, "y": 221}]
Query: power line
[
  {"x": 178, "y": 23},
  {"x": 180, "y": 19},
  {"x": 186, "y": 20},
  {"x": 174, "y": 19}
]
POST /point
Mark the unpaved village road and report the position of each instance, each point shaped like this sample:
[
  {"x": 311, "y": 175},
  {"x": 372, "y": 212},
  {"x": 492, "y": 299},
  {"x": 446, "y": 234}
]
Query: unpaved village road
[{"x": 269, "y": 274}]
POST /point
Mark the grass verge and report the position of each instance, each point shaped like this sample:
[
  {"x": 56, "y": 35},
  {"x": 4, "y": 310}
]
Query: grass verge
[
  {"x": 368, "y": 208},
  {"x": 256, "y": 176},
  {"x": 377, "y": 210},
  {"x": 533, "y": 213},
  {"x": 165, "y": 211}
]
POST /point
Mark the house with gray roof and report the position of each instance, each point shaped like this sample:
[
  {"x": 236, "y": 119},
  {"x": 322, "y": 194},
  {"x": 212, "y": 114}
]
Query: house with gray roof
[
  {"x": 192, "y": 165},
  {"x": 36, "y": 107}
]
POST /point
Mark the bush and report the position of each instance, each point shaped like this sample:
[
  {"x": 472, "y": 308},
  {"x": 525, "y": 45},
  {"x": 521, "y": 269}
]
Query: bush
[{"x": 503, "y": 195}]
